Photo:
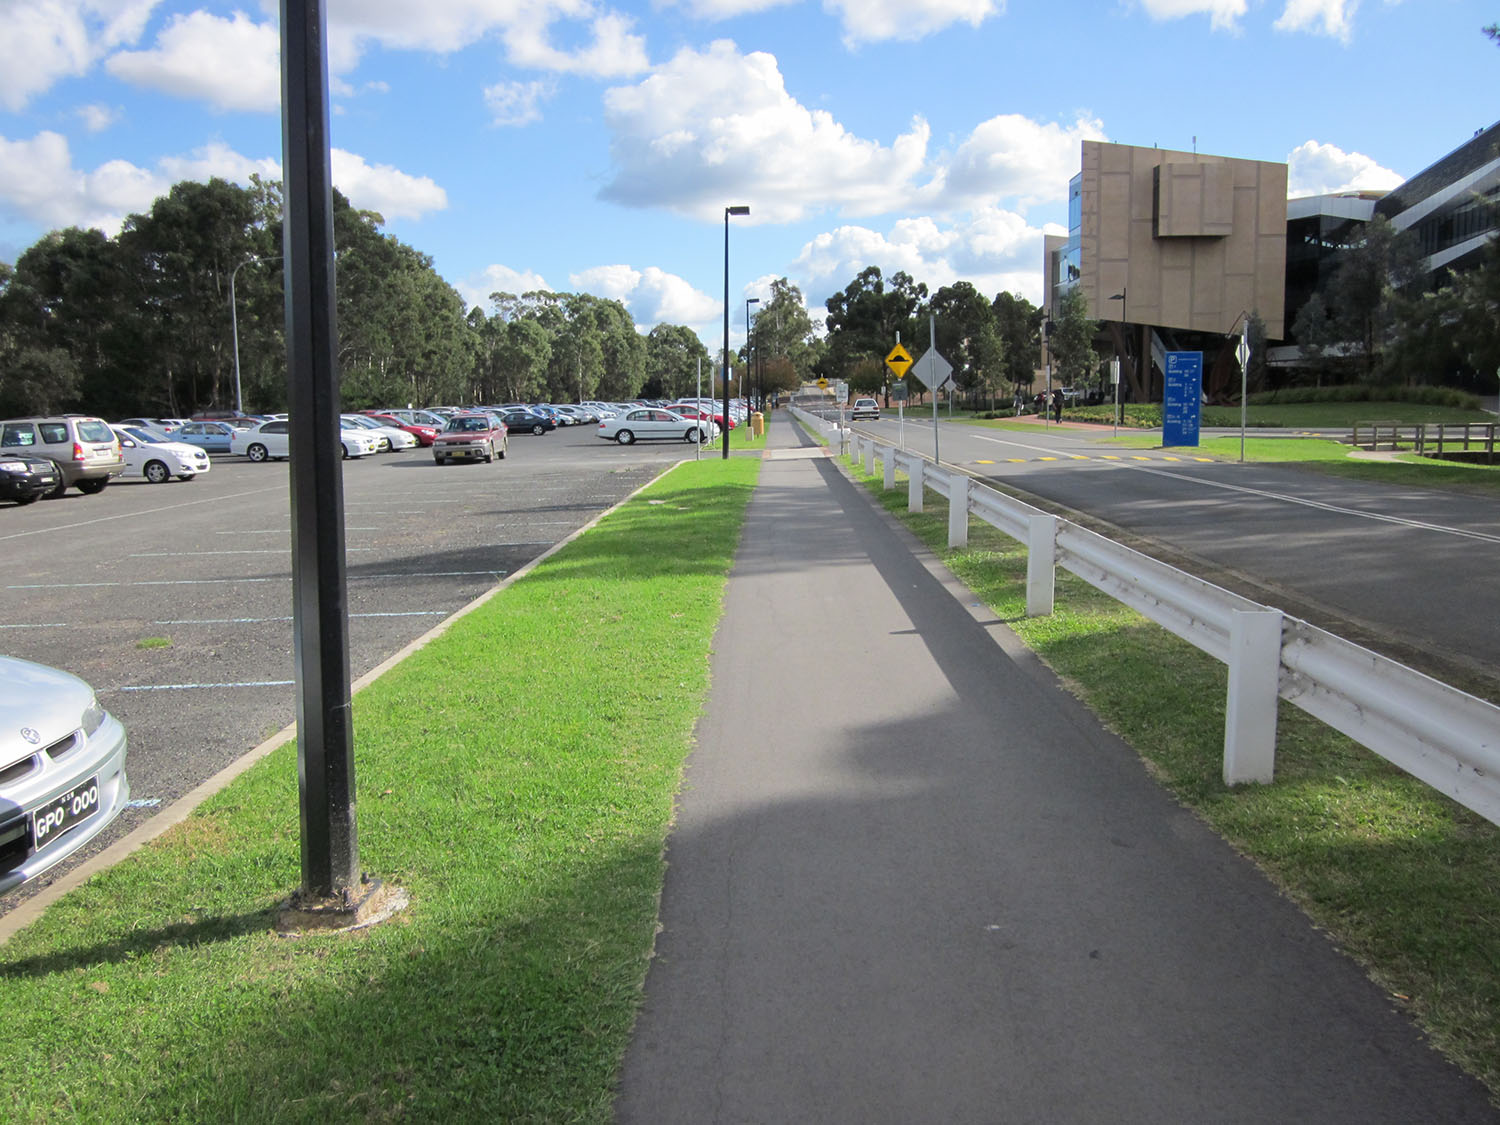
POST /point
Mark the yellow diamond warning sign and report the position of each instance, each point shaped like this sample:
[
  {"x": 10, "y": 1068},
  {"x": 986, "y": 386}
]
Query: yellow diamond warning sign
[{"x": 898, "y": 361}]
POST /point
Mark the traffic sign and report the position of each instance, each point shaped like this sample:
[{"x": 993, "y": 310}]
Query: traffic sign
[
  {"x": 898, "y": 361},
  {"x": 822, "y": 384},
  {"x": 932, "y": 369},
  {"x": 1243, "y": 351}
]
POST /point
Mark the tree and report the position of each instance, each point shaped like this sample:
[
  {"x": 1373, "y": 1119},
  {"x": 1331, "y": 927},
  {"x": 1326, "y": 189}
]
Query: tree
[
  {"x": 783, "y": 329},
  {"x": 1019, "y": 325},
  {"x": 675, "y": 361},
  {"x": 1072, "y": 341},
  {"x": 865, "y": 318},
  {"x": 967, "y": 337},
  {"x": 1476, "y": 310}
]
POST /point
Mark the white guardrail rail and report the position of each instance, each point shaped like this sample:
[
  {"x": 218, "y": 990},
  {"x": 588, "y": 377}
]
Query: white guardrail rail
[{"x": 1445, "y": 737}]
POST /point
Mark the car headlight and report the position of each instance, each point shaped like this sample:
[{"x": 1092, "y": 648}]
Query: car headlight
[
  {"x": 93, "y": 717},
  {"x": 12, "y": 466}
]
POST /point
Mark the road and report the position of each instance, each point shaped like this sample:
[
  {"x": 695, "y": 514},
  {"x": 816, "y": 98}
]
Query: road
[
  {"x": 1408, "y": 571},
  {"x": 174, "y": 600}
]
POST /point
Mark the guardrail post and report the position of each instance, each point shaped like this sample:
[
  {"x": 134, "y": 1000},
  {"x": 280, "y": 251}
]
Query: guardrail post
[
  {"x": 1041, "y": 565},
  {"x": 869, "y": 446},
  {"x": 958, "y": 510},
  {"x": 916, "y": 486},
  {"x": 888, "y": 460},
  {"x": 1250, "y": 716}
]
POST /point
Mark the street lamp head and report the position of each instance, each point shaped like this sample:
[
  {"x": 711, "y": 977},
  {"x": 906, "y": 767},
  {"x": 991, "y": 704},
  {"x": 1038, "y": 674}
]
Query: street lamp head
[{"x": 737, "y": 209}]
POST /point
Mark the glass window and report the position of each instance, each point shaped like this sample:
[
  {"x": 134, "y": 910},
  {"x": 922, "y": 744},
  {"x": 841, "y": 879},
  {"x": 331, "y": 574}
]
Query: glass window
[
  {"x": 95, "y": 430},
  {"x": 53, "y": 433},
  {"x": 22, "y": 434}
]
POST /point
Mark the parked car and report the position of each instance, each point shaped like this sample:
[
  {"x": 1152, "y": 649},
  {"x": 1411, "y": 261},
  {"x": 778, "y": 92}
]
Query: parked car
[
  {"x": 479, "y": 436},
  {"x": 650, "y": 423},
  {"x": 392, "y": 438},
  {"x": 692, "y": 410},
  {"x": 211, "y": 437},
  {"x": 62, "y": 768},
  {"x": 24, "y": 479},
  {"x": 527, "y": 421},
  {"x": 423, "y": 433},
  {"x": 151, "y": 454},
  {"x": 266, "y": 442},
  {"x": 84, "y": 449},
  {"x": 864, "y": 408},
  {"x": 160, "y": 425}
]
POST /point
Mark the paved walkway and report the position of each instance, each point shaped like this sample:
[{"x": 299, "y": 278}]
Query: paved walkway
[{"x": 913, "y": 880}]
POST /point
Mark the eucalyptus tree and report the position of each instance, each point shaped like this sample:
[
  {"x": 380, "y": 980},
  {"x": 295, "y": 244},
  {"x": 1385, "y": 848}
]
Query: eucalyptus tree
[
  {"x": 866, "y": 316},
  {"x": 967, "y": 337},
  {"x": 783, "y": 329},
  {"x": 676, "y": 359},
  {"x": 1019, "y": 324}
]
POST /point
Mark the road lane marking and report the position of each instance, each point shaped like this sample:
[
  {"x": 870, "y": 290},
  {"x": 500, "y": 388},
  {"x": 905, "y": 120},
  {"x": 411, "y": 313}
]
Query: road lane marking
[
  {"x": 188, "y": 554},
  {"x": 222, "y": 581},
  {"x": 195, "y": 687},
  {"x": 38, "y": 625},
  {"x": 288, "y": 617}
]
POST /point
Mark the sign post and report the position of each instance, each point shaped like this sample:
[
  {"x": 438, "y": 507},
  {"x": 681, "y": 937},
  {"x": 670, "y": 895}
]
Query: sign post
[
  {"x": 1243, "y": 352},
  {"x": 1182, "y": 405},
  {"x": 932, "y": 371}
]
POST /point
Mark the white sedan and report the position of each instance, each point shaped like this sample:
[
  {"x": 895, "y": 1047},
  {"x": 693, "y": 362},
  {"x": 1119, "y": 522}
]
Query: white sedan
[
  {"x": 62, "y": 768},
  {"x": 650, "y": 423},
  {"x": 157, "y": 457},
  {"x": 272, "y": 440},
  {"x": 390, "y": 438}
]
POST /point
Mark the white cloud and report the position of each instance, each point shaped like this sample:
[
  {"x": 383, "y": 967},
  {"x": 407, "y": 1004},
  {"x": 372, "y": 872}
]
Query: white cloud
[
  {"x": 42, "y": 41},
  {"x": 39, "y": 184},
  {"x": 1319, "y": 169},
  {"x": 97, "y": 118},
  {"x": 614, "y": 52},
  {"x": 476, "y": 288},
  {"x": 716, "y": 126},
  {"x": 233, "y": 64},
  {"x": 867, "y": 21},
  {"x": 380, "y": 187},
  {"x": 1013, "y": 157},
  {"x": 1224, "y": 14},
  {"x": 726, "y": 9},
  {"x": 994, "y": 249},
  {"x": 516, "y": 103},
  {"x": 652, "y": 295},
  {"x": 1336, "y": 17}
]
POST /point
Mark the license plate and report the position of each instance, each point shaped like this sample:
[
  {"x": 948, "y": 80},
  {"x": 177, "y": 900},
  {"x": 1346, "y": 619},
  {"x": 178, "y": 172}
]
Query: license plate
[{"x": 49, "y": 822}]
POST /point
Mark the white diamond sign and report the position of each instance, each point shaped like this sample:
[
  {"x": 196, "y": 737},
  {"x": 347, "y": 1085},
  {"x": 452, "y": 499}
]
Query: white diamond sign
[{"x": 932, "y": 369}]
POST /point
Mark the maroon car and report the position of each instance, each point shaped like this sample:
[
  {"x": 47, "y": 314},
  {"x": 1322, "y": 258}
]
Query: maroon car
[
  {"x": 423, "y": 434},
  {"x": 474, "y": 436}
]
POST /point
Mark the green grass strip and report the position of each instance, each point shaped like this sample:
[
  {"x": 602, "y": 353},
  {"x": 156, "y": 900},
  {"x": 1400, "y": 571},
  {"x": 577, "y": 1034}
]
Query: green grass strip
[
  {"x": 516, "y": 776},
  {"x": 1404, "y": 880}
]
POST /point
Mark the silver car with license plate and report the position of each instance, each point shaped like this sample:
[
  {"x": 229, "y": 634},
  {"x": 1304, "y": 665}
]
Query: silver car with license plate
[{"x": 62, "y": 768}]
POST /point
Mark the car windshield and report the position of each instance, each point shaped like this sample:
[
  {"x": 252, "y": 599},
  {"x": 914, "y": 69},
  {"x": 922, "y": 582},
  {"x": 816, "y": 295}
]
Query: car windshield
[
  {"x": 467, "y": 425},
  {"x": 150, "y": 437}
]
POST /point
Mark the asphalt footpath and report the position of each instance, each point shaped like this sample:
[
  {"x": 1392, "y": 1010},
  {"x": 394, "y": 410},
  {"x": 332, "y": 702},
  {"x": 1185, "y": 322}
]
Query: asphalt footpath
[{"x": 912, "y": 879}]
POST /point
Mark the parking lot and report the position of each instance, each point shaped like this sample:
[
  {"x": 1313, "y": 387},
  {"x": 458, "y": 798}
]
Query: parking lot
[{"x": 174, "y": 600}]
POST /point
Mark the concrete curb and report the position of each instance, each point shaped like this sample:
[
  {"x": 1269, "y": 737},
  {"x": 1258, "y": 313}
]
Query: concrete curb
[{"x": 179, "y": 810}]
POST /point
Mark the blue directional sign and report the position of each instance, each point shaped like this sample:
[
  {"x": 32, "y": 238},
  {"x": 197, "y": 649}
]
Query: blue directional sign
[{"x": 1182, "y": 405}]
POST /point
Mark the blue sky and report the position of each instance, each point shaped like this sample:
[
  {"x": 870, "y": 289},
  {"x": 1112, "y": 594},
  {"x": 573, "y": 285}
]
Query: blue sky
[{"x": 582, "y": 146}]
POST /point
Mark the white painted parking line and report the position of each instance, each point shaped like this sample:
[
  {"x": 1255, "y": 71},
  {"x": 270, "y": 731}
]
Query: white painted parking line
[
  {"x": 137, "y": 515},
  {"x": 224, "y": 581},
  {"x": 195, "y": 687},
  {"x": 38, "y": 625},
  {"x": 187, "y": 554}
]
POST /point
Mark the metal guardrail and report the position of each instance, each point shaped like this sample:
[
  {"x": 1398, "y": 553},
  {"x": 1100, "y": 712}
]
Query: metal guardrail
[{"x": 1445, "y": 737}]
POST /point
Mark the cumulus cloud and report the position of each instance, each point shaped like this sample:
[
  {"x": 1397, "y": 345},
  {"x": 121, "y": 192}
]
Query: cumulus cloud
[
  {"x": 726, "y": 9},
  {"x": 39, "y": 183},
  {"x": 476, "y": 288},
  {"x": 714, "y": 124},
  {"x": 1013, "y": 157},
  {"x": 1224, "y": 15},
  {"x": 1330, "y": 17},
  {"x": 1319, "y": 169},
  {"x": 516, "y": 103},
  {"x": 993, "y": 248},
  {"x": 232, "y": 64},
  {"x": 97, "y": 118},
  {"x": 613, "y": 53},
  {"x": 380, "y": 187},
  {"x": 652, "y": 295},
  {"x": 867, "y": 21},
  {"x": 42, "y": 41}
]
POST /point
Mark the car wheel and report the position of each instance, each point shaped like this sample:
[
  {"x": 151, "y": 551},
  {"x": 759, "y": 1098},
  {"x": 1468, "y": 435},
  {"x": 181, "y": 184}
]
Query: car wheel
[
  {"x": 504, "y": 449},
  {"x": 539, "y": 429},
  {"x": 157, "y": 472},
  {"x": 693, "y": 435},
  {"x": 346, "y": 451},
  {"x": 489, "y": 453},
  {"x": 92, "y": 487},
  {"x": 624, "y": 437},
  {"x": 58, "y": 490},
  {"x": 258, "y": 453},
  {"x": 440, "y": 460}
]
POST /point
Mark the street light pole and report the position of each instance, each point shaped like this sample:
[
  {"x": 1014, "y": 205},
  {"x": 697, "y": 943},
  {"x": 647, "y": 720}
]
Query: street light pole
[
  {"x": 234, "y": 322},
  {"x": 738, "y": 209},
  {"x": 748, "y": 302}
]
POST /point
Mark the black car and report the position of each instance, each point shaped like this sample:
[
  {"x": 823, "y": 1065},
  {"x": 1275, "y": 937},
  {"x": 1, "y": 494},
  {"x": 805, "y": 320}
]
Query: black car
[
  {"x": 24, "y": 479},
  {"x": 525, "y": 422}
]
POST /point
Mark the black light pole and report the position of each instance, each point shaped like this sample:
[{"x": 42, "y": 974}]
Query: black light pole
[{"x": 739, "y": 209}]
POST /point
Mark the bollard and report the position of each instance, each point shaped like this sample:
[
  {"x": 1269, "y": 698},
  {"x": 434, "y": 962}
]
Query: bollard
[
  {"x": 916, "y": 486},
  {"x": 958, "y": 510},
  {"x": 1041, "y": 565},
  {"x": 1250, "y": 715}
]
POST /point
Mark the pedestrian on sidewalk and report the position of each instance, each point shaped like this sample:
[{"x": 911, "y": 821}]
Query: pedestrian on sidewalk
[{"x": 1057, "y": 403}]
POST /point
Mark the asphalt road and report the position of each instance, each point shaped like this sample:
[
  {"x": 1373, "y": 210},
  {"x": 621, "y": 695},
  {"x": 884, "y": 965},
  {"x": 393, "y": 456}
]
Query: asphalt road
[
  {"x": 93, "y": 584},
  {"x": 1407, "y": 571}
]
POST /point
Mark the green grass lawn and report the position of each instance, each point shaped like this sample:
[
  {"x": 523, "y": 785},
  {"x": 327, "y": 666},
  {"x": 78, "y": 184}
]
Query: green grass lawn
[
  {"x": 515, "y": 776},
  {"x": 1404, "y": 880}
]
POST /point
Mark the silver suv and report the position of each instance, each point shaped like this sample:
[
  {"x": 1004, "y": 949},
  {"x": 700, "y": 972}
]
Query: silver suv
[{"x": 85, "y": 449}]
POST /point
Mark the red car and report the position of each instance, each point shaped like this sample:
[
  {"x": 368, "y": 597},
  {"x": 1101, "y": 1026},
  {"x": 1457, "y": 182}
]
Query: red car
[
  {"x": 472, "y": 437},
  {"x": 698, "y": 414},
  {"x": 423, "y": 434}
]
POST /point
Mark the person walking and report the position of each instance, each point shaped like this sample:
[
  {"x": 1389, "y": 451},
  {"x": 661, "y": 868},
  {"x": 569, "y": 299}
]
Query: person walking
[{"x": 1057, "y": 403}]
